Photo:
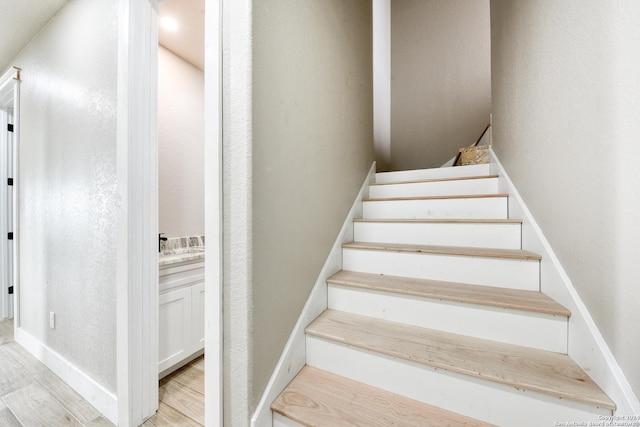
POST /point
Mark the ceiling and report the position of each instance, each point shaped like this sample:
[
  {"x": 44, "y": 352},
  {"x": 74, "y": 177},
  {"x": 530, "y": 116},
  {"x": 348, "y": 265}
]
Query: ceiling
[
  {"x": 20, "y": 21},
  {"x": 188, "y": 40}
]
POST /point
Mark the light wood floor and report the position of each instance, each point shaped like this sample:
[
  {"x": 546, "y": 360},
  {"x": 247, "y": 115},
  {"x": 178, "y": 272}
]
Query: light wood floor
[
  {"x": 33, "y": 396},
  {"x": 181, "y": 398}
]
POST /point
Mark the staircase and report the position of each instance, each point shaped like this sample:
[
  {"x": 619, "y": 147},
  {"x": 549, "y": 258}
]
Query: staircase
[{"x": 437, "y": 318}]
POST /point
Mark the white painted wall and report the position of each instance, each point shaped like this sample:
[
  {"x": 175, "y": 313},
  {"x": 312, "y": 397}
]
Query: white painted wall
[
  {"x": 68, "y": 187},
  {"x": 180, "y": 146},
  {"x": 381, "y": 10},
  {"x": 440, "y": 79},
  {"x": 20, "y": 22},
  {"x": 565, "y": 126}
]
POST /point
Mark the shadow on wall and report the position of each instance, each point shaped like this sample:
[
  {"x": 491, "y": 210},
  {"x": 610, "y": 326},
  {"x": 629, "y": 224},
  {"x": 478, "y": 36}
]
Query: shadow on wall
[{"x": 440, "y": 79}]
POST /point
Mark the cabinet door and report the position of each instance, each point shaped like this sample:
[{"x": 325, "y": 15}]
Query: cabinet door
[
  {"x": 197, "y": 329},
  {"x": 174, "y": 327}
]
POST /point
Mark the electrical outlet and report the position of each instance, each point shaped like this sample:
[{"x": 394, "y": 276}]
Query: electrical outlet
[{"x": 52, "y": 320}]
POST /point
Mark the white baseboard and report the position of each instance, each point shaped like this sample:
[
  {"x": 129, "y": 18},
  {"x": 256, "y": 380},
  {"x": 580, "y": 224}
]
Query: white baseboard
[
  {"x": 102, "y": 399},
  {"x": 293, "y": 356},
  {"x": 586, "y": 344},
  {"x": 181, "y": 364}
]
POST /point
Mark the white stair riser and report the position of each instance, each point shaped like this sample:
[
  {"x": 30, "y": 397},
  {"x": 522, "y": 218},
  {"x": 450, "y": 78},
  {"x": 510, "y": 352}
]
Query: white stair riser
[
  {"x": 472, "y": 208},
  {"x": 478, "y": 235},
  {"x": 542, "y": 331},
  {"x": 280, "y": 421},
  {"x": 451, "y": 172},
  {"x": 500, "y": 272},
  {"x": 438, "y": 188},
  {"x": 484, "y": 400}
]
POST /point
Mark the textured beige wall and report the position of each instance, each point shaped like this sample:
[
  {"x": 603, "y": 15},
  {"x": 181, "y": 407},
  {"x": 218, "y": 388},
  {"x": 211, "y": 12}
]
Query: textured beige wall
[
  {"x": 312, "y": 148},
  {"x": 566, "y": 127},
  {"x": 440, "y": 79}
]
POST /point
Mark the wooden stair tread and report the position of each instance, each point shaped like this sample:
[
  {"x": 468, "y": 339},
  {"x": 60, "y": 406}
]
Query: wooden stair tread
[
  {"x": 463, "y": 196},
  {"x": 459, "y": 171},
  {"x": 417, "y": 181},
  {"x": 514, "y": 299},
  {"x": 442, "y": 221},
  {"x": 525, "y": 368},
  {"x": 446, "y": 250},
  {"x": 319, "y": 398}
]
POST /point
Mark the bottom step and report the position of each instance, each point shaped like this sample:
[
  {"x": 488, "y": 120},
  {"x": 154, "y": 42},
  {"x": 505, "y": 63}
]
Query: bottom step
[{"x": 319, "y": 398}]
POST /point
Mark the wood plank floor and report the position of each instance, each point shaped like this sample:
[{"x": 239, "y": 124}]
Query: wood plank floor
[
  {"x": 181, "y": 398},
  {"x": 33, "y": 396}
]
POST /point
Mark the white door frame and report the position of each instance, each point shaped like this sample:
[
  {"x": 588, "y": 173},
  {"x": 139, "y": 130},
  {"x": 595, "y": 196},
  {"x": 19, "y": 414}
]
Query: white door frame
[
  {"x": 137, "y": 263},
  {"x": 10, "y": 98},
  {"x": 137, "y": 170},
  {"x": 6, "y": 138},
  {"x": 213, "y": 333}
]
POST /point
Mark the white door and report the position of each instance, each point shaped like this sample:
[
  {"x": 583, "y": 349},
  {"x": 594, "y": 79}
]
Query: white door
[{"x": 6, "y": 210}]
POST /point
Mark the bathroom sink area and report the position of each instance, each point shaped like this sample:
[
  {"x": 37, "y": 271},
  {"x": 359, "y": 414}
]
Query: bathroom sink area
[
  {"x": 181, "y": 302},
  {"x": 176, "y": 250},
  {"x": 176, "y": 256}
]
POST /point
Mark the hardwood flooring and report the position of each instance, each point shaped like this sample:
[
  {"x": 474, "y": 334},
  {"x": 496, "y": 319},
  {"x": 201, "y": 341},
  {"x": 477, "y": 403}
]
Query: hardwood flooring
[
  {"x": 33, "y": 396},
  {"x": 181, "y": 398}
]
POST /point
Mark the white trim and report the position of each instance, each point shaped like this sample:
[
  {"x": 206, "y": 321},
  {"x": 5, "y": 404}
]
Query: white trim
[
  {"x": 282, "y": 421},
  {"x": 213, "y": 214},
  {"x": 4, "y": 213},
  {"x": 102, "y": 399},
  {"x": 293, "y": 356},
  {"x": 586, "y": 344},
  {"x": 9, "y": 75},
  {"x": 12, "y": 76},
  {"x": 16, "y": 202},
  {"x": 237, "y": 141},
  {"x": 137, "y": 263},
  {"x": 449, "y": 162},
  {"x": 422, "y": 174},
  {"x": 486, "y": 137}
]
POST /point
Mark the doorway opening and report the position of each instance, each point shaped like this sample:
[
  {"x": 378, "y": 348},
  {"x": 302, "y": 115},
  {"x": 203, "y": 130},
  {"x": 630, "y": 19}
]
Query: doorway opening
[
  {"x": 9, "y": 137},
  {"x": 181, "y": 210}
]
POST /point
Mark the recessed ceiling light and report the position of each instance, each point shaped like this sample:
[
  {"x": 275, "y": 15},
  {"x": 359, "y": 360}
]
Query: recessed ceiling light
[{"x": 169, "y": 24}]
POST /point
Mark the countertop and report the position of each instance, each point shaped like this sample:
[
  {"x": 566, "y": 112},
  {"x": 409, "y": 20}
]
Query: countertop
[{"x": 190, "y": 255}]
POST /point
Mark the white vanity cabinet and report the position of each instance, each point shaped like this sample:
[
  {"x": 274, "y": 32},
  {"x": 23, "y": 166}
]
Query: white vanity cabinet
[{"x": 181, "y": 311}]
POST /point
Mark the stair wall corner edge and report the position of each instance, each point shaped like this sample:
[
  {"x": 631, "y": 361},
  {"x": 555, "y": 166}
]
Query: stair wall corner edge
[
  {"x": 293, "y": 356},
  {"x": 586, "y": 344}
]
